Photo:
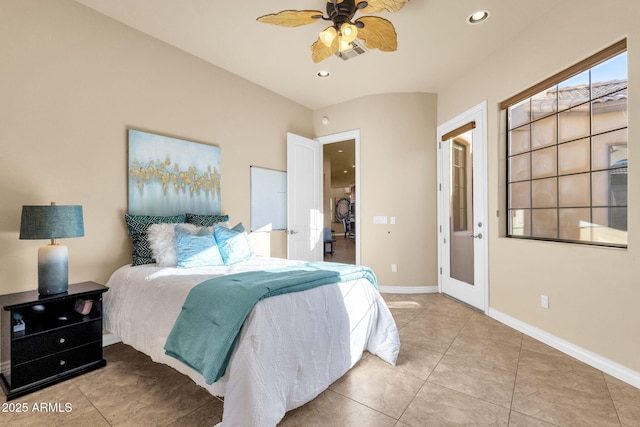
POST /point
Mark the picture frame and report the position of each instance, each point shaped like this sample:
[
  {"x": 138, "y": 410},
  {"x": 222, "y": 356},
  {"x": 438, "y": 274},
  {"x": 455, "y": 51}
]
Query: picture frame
[{"x": 169, "y": 176}]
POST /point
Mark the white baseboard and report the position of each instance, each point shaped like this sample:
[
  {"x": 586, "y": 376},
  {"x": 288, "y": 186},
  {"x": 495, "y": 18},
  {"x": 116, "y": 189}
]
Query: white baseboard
[
  {"x": 408, "y": 289},
  {"x": 108, "y": 339},
  {"x": 592, "y": 359}
]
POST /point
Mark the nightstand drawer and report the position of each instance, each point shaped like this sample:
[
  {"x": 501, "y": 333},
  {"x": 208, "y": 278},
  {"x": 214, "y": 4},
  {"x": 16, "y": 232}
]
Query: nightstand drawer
[
  {"x": 50, "y": 366},
  {"x": 34, "y": 347}
]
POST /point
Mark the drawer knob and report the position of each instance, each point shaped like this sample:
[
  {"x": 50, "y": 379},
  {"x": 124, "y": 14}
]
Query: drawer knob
[
  {"x": 62, "y": 340},
  {"x": 62, "y": 362}
]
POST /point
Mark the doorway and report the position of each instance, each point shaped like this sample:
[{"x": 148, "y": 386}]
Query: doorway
[
  {"x": 462, "y": 219},
  {"x": 341, "y": 195},
  {"x": 340, "y": 201}
]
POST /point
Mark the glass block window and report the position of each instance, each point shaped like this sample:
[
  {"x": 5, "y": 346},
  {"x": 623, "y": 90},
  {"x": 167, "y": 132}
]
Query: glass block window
[{"x": 567, "y": 155}]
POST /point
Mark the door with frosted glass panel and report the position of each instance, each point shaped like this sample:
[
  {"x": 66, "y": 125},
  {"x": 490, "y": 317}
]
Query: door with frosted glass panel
[{"x": 462, "y": 244}]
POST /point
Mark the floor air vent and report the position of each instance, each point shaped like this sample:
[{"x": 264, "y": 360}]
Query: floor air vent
[{"x": 356, "y": 50}]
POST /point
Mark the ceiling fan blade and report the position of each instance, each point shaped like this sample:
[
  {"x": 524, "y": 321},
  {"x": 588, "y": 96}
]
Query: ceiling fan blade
[
  {"x": 320, "y": 52},
  {"x": 375, "y": 6},
  {"x": 378, "y": 33},
  {"x": 291, "y": 18}
]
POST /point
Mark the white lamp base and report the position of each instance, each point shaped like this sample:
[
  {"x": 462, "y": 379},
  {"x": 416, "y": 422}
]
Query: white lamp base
[{"x": 53, "y": 269}]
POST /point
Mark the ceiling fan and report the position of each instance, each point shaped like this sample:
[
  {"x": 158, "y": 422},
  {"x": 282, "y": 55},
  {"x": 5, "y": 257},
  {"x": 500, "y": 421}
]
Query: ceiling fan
[{"x": 376, "y": 32}]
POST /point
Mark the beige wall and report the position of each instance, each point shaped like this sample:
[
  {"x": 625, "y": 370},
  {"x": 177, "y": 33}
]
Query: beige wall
[
  {"x": 73, "y": 82},
  {"x": 397, "y": 178},
  {"x": 594, "y": 292}
]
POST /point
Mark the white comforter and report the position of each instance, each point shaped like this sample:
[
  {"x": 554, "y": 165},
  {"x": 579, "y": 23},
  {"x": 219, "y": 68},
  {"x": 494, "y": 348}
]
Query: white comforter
[{"x": 291, "y": 347}]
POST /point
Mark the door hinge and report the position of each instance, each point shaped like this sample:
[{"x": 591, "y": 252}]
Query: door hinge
[
  {"x": 440, "y": 187},
  {"x": 441, "y": 229},
  {"x": 440, "y": 270}
]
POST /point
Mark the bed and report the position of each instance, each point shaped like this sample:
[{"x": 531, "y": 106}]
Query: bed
[{"x": 290, "y": 348}]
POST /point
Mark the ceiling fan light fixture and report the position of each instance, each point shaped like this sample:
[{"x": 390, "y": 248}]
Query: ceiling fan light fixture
[
  {"x": 349, "y": 32},
  {"x": 478, "y": 17},
  {"x": 344, "y": 45},
  {"x": 328, "y": 35},
  {"x": 343, "y": 37}
]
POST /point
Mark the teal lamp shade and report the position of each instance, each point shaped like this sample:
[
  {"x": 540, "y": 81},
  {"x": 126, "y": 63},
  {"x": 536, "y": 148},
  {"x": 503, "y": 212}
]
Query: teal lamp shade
[{"x": 52, "y": 222}]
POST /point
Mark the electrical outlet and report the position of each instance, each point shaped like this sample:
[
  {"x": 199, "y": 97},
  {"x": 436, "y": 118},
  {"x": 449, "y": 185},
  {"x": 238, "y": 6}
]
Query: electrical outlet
[
  {"x": 544, "y": 301},
  {"x": 394, "y": 268}
]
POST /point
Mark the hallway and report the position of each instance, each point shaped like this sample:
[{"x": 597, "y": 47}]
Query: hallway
[{"x": 344, "y": 250}]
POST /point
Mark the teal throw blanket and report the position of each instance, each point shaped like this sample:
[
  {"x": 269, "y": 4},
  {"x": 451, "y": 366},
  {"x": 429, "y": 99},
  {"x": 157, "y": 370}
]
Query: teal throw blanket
[{"x": 206, "y": 330}]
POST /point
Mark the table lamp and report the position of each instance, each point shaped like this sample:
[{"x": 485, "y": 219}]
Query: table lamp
[{"x": 52, "y": 222}]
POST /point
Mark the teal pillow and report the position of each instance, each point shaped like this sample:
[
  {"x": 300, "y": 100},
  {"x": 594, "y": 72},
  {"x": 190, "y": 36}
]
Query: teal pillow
[
  {"x": 233, "y": 244},
  {"x": 196, "y": 250},
  {"x": 205, "y": 220},
  {"x": 137, "y": 226}
]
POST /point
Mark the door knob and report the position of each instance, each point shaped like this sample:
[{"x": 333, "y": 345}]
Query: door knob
[
  {"x": 476, "y": 236},
  {"x": 293, "y": 232}
]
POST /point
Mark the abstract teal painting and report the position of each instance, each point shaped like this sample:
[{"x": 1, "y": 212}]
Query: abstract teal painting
[{"x": 169, "y": 176}]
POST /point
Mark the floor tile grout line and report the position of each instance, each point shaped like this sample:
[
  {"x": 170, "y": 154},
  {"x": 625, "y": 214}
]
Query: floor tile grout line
[
  {"x": 515, "y": 379},
  {"x": 194, "y": 410},
  {"x": 404, "y": 411},
  {"x": 92, "y": 404},
  {"x": 613, "y": 401},
  {"x": 510, "y": 407},
  {"x": 363, "y": 404},
  {"x": 434, "y": 368}
]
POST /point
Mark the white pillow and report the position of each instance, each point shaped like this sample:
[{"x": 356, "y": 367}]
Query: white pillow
[{"x": 162, "y": 241}]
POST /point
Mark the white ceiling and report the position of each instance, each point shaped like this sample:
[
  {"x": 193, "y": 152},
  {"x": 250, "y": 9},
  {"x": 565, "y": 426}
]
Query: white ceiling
[{"x": 435, "y": 43}]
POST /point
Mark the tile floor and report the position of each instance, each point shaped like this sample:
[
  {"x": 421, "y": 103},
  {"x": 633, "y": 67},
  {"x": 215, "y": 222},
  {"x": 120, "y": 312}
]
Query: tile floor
[
  {"x": 344, "y": 250},
  {"x": 456, "y": 367}
]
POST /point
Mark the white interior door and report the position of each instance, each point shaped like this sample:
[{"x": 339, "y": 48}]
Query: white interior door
[
  {"x": 304, "y": 198},
  {"x": 462, "y": 208}
]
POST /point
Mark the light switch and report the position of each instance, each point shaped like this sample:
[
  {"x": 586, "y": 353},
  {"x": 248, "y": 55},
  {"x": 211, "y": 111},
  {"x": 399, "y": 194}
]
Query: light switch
[
  {"x": 379, "y": 219},
  {"x": 544, "y": 301}
]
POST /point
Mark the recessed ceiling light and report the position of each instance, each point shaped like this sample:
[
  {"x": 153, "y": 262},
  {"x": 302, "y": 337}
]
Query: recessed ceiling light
[
  {"x": 340, "y": 151},
  {"x": 478, "y": 17},
  {"x": 323, "y": 74}
]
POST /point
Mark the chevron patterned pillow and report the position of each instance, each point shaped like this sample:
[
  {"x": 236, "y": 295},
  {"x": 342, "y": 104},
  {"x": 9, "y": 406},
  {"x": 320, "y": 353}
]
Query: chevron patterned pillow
[{"x": 137, "y": 226}]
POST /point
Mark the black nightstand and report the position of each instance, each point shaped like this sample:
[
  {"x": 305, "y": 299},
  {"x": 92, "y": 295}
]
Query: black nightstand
[{"x": 60, "y": 337}]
